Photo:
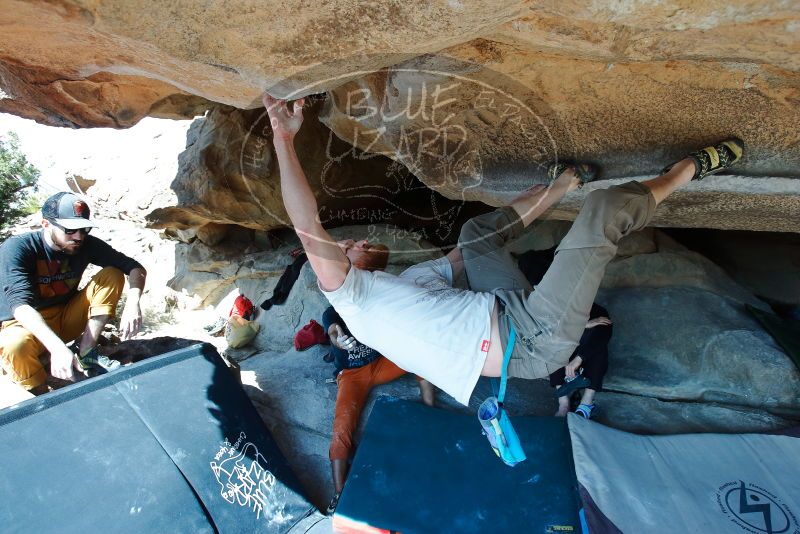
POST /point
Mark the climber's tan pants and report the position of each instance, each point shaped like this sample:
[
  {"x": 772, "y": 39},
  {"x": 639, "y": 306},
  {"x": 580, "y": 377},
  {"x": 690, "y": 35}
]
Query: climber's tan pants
[{"x": 550, "y": 320}]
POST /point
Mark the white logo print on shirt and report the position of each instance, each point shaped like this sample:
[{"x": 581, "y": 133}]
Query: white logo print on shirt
[{"x": 437, "y": 289}]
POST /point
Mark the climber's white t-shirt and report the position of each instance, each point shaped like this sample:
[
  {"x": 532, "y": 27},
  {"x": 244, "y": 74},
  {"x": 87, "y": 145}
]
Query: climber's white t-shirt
[{"x": 420, "y": 322}]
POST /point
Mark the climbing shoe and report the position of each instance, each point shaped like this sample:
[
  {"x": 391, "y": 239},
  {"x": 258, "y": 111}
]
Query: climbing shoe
[
  {"x": 216, "y": 328},
  {"x": 586, "y": 172},
  {"x": 714, "y": 159},
  {"x": 93, "y": 363}
]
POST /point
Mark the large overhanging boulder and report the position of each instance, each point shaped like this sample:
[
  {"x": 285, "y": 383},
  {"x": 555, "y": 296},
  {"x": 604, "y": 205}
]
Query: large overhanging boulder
[
  {"x": 630, "y": 87},
  {"x": 61, "y": 60},
  {"x": 521, "y": 108}
]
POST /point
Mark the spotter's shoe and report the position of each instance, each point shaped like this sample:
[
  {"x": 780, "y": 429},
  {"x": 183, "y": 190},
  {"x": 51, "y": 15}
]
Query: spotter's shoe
[
  {"x": 93, "y": 363},
  {"x": 714, "y": 159}
]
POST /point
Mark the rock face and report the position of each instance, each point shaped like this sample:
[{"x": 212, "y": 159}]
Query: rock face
[
  {"x": 627, "y": 85},
  {"x": 767, "y": 265},
  {"x": 224, "y": 53},
  {"x": 228, "y": 177},
  {"x": 485, "y": 132},
  {"x": 211, "y": 273},
  {"x": 723, "y": 357},
  {"x": 682, "y": 337}
]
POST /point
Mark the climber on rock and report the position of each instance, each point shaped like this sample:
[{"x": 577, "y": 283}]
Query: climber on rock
[{"x": 426, "y": 324}]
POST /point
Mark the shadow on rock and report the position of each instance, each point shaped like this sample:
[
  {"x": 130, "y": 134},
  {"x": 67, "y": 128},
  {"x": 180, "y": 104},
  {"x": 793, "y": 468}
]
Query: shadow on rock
[{"x": 136, "y": 350}]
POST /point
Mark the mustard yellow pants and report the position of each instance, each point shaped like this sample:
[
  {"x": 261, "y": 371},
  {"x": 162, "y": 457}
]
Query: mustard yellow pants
[{"x": 20, "y": 350}]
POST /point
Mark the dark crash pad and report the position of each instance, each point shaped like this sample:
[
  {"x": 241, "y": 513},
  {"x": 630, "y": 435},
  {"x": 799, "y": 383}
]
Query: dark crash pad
[
  {"x": 170, "y": 444},
  {"x": 420, "y": 469}
]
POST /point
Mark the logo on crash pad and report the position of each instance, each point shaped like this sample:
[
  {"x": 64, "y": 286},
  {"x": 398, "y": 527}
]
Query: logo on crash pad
[
  {"x": 244, "y": 480},
  {"x": 756, "y": 509}
]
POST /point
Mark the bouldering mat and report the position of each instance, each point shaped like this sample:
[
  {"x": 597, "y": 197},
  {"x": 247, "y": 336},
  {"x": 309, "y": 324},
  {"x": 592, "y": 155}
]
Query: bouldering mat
[
  {"x": 421, "y": 469},
  {"x": 785, "y": 331},
  {"x": 169, "y": 444},
  {"x": 709, "y": 483}
]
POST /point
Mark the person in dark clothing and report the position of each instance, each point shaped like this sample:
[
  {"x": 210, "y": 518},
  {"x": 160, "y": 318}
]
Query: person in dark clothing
[
  {"x": 589, "y": 362},
  {"x": 41, "y": 308}
]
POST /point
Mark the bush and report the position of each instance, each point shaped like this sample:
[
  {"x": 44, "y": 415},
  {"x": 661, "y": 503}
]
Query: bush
[{"x": 18, "y": 182}]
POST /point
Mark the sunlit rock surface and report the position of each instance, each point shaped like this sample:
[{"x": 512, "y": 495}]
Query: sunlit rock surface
[
  {"x": 228, "y": 176},
  {"x": 627, "y": 85}
]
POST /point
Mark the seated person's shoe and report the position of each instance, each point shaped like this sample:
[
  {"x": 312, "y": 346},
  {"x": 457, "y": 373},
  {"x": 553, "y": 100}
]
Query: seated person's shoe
[
  {"x": 714, "y": 159},
  {"x": 586, "y": 172},
  {"x": 93, "y": 363},
  {"x": 216, "y": 327},
  {"x": 585, "y": 410}
]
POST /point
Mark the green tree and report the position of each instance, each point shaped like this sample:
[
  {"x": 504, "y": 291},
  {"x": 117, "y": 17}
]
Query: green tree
[{"x": 18, "y": 181}]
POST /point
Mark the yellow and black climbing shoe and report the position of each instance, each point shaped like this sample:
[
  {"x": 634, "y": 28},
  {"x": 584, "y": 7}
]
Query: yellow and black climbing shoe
[
  {"x": 586, "y": 172},
  {"x": 714, "y": 159}
]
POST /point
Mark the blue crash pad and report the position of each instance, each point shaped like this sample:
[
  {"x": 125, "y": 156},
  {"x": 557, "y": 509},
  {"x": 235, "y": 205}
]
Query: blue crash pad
[
  {"x": 420, "y": 469},
  {"x": 169, "y": 444}
]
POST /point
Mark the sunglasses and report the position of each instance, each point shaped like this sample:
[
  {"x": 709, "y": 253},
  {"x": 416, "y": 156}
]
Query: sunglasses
[{"x": 85, "y": 231}]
